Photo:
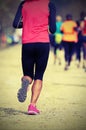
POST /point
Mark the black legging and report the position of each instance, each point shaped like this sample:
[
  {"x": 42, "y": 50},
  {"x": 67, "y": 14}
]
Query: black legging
[
  {"x": 69, "y": 50},
  {"x": 78, "y": 51},
  {"x": 34, "y": 59}
]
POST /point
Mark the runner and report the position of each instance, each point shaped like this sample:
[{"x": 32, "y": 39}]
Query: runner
[
  {"x": 69, "y": 39},
  {"x": 83, "y": 27},
  {"x": 36, "y": 14},
  {"x": 78, "y": 45},
  {"x": 58, "y": 39}
]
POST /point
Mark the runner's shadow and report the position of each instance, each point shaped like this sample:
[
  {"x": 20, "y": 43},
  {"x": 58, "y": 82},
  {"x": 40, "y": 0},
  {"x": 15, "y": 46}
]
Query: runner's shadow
[{"x": 10, "y": 111}]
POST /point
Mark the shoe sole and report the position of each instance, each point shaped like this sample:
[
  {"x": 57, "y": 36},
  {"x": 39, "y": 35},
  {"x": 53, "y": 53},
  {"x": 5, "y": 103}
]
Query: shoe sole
[
  {"x": 32, "y": 113},
  {"x": 22, "y": 92}
]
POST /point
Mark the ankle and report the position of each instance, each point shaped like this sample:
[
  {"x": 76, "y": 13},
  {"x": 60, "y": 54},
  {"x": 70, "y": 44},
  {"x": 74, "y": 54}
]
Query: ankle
[
  {"x": 27, "y": 78},
  {"x": 33, "y": 104}
]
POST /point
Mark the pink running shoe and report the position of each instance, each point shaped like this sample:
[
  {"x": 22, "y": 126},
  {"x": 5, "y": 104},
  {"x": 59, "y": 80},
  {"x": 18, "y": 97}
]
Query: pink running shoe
[{"x": 32, "y": 110}]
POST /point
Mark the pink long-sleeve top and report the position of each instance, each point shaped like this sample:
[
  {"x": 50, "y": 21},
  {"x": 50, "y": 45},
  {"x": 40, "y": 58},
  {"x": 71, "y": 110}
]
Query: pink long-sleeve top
[{"x": 35, "y": 21}]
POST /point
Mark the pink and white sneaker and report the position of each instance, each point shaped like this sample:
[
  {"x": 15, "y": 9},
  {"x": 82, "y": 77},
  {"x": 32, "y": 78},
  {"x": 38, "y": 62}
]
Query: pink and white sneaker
[{"x": 32, "y": 110}]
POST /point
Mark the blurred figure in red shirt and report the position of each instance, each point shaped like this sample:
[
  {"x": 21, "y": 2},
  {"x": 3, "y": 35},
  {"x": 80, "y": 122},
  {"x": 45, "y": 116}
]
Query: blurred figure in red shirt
[{"x": 83, "y": 29}]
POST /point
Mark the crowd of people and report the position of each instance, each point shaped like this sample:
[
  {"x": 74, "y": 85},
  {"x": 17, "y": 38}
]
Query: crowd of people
[
  {"x": 70, "y": 36},
  {"x": 10, "y": 39}
]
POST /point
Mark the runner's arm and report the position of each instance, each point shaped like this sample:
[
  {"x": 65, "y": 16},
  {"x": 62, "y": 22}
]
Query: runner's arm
[
  {"x": 52, "y": 18},
  {"x": 17, "y": 22}
]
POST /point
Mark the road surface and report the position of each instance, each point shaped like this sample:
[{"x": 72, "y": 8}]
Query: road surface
[{"x": 62, "y": 101}]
